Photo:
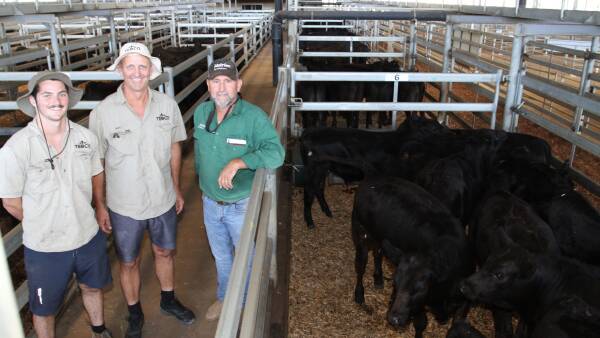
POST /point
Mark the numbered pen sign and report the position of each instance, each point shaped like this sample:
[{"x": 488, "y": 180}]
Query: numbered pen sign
[{"x": 397, "y": 77}]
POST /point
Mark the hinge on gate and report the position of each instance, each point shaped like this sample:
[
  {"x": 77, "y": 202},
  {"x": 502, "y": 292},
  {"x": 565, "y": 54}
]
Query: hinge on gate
[
  {"x": 295, "y": 102},
  {"x": 299, "y": 52}
]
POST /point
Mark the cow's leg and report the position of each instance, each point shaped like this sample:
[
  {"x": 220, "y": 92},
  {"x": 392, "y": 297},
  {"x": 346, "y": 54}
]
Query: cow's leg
[
  {"x": 319, "y": 183},
  {"x": 369, "y": 119},
  {"x": 420, "y": 323},
  {"x": 310, "y": 185},
  {"x": 502, "y": 323},
  {"x": 334, "y": 119},
  {"x": 360, "y": 263},
  {"x": 378, "y": 273}
]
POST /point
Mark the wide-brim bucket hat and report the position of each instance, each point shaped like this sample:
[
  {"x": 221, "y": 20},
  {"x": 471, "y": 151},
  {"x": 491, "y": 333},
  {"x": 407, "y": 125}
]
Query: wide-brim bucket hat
[
  {"x": 138, "y": 48},
  {"x": 75, "y": 94}
]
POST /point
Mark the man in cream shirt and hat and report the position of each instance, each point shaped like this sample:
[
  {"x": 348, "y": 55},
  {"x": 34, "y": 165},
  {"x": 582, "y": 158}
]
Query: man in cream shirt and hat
[
  {"x": 139, "y": 130},
  {"x": 48, "y": 171}
]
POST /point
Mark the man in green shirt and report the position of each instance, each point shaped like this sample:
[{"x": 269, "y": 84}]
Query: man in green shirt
[{"x": 233, "y": 138}]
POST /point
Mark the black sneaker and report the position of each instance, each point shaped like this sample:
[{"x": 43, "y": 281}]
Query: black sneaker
[
  {"x": 103, "y": 334},
  {"x": 134, "y": 329},
  {"x": 176, "y": 309}
]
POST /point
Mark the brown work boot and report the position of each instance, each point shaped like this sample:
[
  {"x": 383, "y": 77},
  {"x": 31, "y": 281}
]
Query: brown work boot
[{"x": 214, "y": 311}]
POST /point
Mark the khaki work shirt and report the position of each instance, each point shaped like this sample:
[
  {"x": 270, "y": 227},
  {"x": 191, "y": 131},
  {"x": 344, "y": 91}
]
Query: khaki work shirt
[
  {"x": 137, "y": 153},
  {"x": 57, "y": 211}
]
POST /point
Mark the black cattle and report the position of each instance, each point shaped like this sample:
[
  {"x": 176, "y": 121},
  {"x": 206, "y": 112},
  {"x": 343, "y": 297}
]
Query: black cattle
[
  {"x": 575, "y": 222},
  {"x": 515, "y": 146},
  {"x": 99, "y": 90},
  {"x": 554, "y": 296},
  {"x": 459, "y": 179},
  {"x": 353, "y": 150},
  {"x": 384, "y": 92},
  {"x": 424, "y": 240},
  {"x": 503, "y": 220}
]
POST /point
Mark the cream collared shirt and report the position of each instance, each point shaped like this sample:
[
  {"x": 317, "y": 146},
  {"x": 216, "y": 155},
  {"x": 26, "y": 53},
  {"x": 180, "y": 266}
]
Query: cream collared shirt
[
  {"x": 137, "y": 153},
  {"x": 57, "y": 211}
]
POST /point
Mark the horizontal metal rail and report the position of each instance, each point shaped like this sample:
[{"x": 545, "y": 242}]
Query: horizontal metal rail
[
  {"x": 351, "y": 54},
  {"x": 399, "y": 106},
  {"x": 391, "y": 77},
  {"x": 553, "y": 91},
  {"x": 350, "y": 38}
]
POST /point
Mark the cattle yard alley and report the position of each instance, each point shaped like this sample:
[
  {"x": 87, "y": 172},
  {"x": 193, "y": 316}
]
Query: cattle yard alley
[{"x": 457, "y": 143}]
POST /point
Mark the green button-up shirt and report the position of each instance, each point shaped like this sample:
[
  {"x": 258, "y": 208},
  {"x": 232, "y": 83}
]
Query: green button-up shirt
[{"x": 246, "y": 133}]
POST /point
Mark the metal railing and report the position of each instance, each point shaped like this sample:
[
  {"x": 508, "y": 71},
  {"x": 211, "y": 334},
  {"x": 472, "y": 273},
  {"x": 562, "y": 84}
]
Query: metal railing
[
  {"x": 14, "y": 238},
  {"x": 299, "y": 105},
  {"x": 260, "y": 222}
]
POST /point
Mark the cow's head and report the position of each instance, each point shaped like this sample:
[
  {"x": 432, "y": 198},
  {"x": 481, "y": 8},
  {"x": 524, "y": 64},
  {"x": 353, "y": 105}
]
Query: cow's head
[
  {"x": 503, "y": 280},
  {"x": 412, "y": 280}
]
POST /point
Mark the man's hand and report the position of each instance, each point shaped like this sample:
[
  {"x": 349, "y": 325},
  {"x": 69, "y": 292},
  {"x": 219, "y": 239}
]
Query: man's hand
[
  {"x": 226, "y": 176},
  {"x": 179, "y": 202},
  {"x": 103, "y": 219}
]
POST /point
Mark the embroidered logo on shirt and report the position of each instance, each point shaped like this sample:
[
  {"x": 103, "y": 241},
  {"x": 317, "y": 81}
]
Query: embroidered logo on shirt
[
  {"x": 201, "y": 126},
  {"x": 162, "y": 117},
  {"x": 118, "y": 132},
  {"x": 82, "y": 145}
]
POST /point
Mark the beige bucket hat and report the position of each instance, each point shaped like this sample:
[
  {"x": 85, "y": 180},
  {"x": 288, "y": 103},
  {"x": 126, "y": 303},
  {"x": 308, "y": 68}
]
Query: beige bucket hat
[
  {"x": 138, "y": 48},
  {"x": 75, "y": 94}
]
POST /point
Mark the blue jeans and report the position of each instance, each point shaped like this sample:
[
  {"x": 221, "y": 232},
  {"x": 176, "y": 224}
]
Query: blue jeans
[{"x": 224, "y": 225}]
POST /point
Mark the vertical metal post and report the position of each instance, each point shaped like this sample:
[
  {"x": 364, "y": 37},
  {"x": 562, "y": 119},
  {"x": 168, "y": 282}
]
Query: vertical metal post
[
  {"x": 351, "y": 49},
  {"x": 210, "y": 56},
  {"x": 446, "y": 68},
  {"x": 54, "y": 44},
  {"x": 148, "y": 31},
  {"x": 513, "y": 79},
  {"x": 245, "y": 36},
  {"x": 232, "y": 48},
  {"x": 9, "y": 312},
  {"x": 112, "y": 47},
  {"x": 413, "y": 46},
  {"x": 173, "y": 29},
  {"x": 5, "y": 45},
  {"x": 292, "y": 119},
  {"x": 395, "y": 113},
  {"x": 171, "y": 83},
  {"x": 584, "y": 87}
]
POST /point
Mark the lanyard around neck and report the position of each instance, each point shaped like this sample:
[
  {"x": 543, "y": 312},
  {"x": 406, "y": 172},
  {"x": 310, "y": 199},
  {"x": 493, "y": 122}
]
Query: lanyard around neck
[{"x": 211, "y": 116}]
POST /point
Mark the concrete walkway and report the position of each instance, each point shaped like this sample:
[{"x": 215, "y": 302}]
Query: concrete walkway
[{"x": 195, "y": 275}]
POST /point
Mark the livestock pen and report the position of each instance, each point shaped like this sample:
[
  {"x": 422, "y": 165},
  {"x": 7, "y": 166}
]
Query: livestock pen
[{"x": 518, "y": 69}]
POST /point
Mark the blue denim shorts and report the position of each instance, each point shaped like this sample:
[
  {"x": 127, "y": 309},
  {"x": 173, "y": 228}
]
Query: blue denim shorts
[
  {"x": 129, "y": 232},
  {"x": 48, "y": 273}
]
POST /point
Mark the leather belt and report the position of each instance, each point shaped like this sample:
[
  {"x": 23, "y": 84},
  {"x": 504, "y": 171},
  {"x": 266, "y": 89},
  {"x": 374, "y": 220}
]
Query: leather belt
[{"x": 223, "y": 203}]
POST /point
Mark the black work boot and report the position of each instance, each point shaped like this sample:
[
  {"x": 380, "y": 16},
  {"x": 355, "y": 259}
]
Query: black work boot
[
  {"x": 176, "y": 309},
  {"x": 134, "y": 329}
]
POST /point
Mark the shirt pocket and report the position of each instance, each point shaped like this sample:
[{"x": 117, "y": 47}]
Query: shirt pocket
[
  {"x": 236, "y": 145},
  {"x": 162, "y": 142},
  {"x": 82, "y": 170},
  {"x": 119, "y": 150},
  {"x": 40, "y": 178}
]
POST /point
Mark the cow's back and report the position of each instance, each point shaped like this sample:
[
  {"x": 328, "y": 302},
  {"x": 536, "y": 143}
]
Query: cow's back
[{"x": 403, "y": 213}]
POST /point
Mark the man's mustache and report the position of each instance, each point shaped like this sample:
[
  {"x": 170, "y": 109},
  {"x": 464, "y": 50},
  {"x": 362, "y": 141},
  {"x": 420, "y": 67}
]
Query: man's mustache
[{"x": 56, "y": 106}]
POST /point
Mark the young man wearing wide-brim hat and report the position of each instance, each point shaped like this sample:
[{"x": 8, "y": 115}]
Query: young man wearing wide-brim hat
[
  {"x": 48, "y": 171},
  {"x": 139, "y": 131}
]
